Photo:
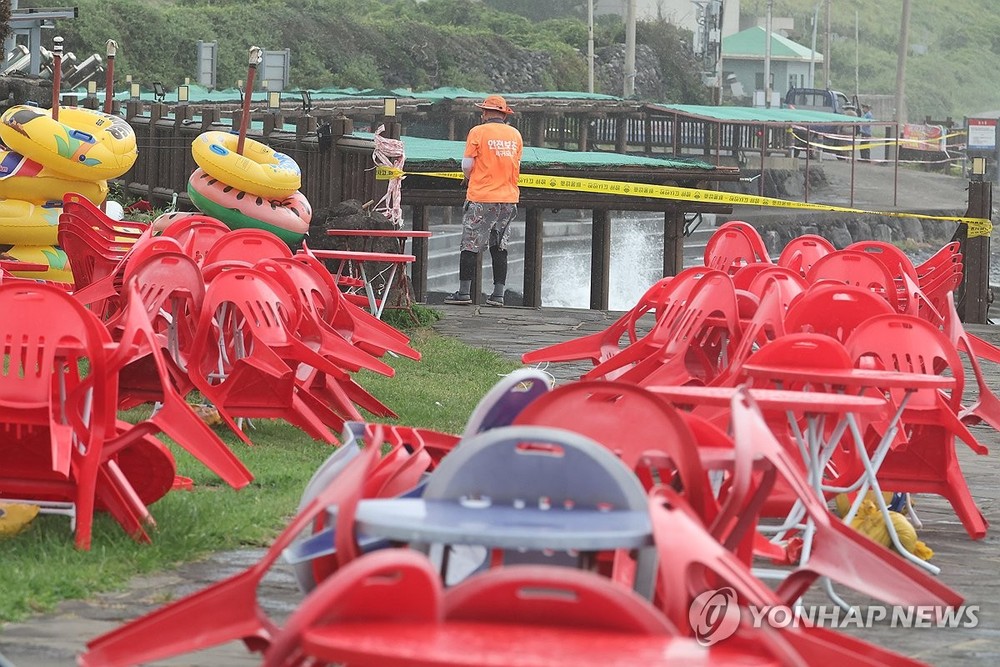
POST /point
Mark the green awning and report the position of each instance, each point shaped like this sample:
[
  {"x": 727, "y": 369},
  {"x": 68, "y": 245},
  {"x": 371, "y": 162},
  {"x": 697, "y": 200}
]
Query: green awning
[
  {"x": 438, "y": 151},
  {"x": 754, "y": 115}
]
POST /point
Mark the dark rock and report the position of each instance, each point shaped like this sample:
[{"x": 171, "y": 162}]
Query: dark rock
[
  {"x": 352, "y": 214},
  {"x": 839, "y": 236},
  {"x": 882, "y": 232},
  {"x": 912, "y": 229}
]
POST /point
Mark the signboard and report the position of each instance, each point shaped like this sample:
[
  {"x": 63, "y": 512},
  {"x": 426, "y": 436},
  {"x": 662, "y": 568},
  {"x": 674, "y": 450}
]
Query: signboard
[
  {"x": 206, "y": 58},
  {"x": 923, "y": 138},
  {"x": 982, "y": 134},
  {"x": 274, "y": 69}
]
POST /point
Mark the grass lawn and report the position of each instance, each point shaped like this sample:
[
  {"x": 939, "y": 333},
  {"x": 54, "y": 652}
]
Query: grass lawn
[{"x": 41, "y": 567}]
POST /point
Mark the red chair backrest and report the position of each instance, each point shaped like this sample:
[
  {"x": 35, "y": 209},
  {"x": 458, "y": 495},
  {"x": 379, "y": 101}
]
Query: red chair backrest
[
  {"x": 834, "y": 310},
  {"x": 892, "y": 257},
  {"x": 803, "y": 251},
  {"x": 853, "y": 267}
]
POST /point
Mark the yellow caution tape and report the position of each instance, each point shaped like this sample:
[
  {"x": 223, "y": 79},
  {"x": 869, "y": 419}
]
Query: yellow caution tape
[{"x": 977, "y": 226}]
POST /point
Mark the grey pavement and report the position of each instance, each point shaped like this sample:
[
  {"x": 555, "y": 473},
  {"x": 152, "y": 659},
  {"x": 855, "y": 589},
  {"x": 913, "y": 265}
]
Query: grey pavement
[{"x": 970, "y": 567}]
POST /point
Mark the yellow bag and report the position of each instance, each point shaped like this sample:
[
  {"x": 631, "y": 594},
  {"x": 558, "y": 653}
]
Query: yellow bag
[
  {"x": 869, "y": 522},
  {"x": 14, "y": 517},
  {"x": 843, "y": 501}
]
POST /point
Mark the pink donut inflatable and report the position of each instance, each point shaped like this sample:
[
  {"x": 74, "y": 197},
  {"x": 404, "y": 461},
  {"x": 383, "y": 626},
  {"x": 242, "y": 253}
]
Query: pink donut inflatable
[
  {"x": 287, "y": 218},
  {"x": 163, "y": 220}
]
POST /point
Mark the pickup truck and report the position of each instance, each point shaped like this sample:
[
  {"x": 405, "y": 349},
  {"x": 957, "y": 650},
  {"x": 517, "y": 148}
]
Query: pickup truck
[{"x": 820, "y": 99}]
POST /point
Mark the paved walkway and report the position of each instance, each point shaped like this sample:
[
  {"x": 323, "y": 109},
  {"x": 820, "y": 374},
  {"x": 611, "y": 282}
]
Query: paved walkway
[{"x": 969, "y": 567}]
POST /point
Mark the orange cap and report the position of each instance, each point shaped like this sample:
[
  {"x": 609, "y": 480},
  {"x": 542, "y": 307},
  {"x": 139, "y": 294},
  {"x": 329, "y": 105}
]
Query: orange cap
[{"x": 496, "y": 103}]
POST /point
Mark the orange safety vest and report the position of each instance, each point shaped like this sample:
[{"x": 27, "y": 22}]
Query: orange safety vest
[{"x": 497, "y": 149}]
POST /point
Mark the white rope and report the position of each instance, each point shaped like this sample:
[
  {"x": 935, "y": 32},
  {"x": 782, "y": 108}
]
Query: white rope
[{"x": 389, "y": 153}]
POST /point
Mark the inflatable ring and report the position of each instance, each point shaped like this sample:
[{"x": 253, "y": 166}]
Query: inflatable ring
[
  {"x": 260, "y": 170},
  {"x": 163, "y": 220},
  {"x": 59, "y": 269},
  {"x": 21, "y": 178},
  {"x": 25, "y": 223},
  {"x": 83, "y": 144},
  {"x": 287, "y": 218}
]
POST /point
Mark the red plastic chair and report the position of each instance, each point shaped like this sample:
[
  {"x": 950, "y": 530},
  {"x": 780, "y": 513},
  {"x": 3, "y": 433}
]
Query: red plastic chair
[
  {"x": 552, "y": 595},
  {"x": 692, "y": 346},
  {"x": 397, "y": 585},
  {"x": 729, "y": 250},
  {"x": 802, "y": 252},
  {"x": 766, "y": 325},
  {"x": 891, "y": 256},
  {"x": 949, "y": 254},
  {"x": 599, "y": 409},
  {"x": 752, "y": 235},
  {"x": 744, "y": 276},
  {"x": 664, "y": 300},
  {"x": 987, "y": 405},
  {"x": 661, "y": 445},
  {"x": 693, "y": 563},
  {"x": 357, "y": 325},
  {"x": 174, "y": 417},
  {"x": 853, "y": 267},
  {"x": 928, "y": 463},
  {"x": 245, "y": 358},
  {"x": 57, "y": 401},
  {"x": 83, "y": 211},
  {"x": 315, "y": 301},
  {"x": 246, "y": 245},
  {"x": 196, "y": 234},
  {"x": 834, "y": 310},
  {"x": 228, "y": 610},
  {"x": 171, "y": 286}
]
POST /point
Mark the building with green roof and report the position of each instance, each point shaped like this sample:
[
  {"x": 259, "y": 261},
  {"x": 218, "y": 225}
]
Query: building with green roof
[{"x": 743, "y": 62}]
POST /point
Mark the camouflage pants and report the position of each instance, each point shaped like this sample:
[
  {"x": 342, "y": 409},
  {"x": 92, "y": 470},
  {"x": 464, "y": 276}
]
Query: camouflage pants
[{"x": 486, "y": 223}]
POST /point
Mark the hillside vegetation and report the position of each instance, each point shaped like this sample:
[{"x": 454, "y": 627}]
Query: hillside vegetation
[
  {"x": 951, "y": 69},
  {"x": 380, "y": 43},
  {"x": 522, "y": 45}
]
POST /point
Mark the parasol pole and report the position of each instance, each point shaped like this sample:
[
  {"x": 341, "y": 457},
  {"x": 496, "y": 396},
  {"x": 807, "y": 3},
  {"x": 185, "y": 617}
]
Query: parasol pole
[
  {"x": 57, "y": 46},
  {"x": 109, "y": 78},
  {"x": 254, "y": 60}
]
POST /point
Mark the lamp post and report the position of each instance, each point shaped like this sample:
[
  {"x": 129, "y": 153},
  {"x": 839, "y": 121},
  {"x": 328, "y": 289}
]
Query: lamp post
[
  {"x": 904, "y": 36},
  {"x": 629, "y": 88},
  {"x": 590, "y": 46},
  {"x": 767, "y": 55}
]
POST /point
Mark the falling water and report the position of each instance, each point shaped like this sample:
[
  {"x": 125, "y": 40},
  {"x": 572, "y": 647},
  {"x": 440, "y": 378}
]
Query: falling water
[{"x": 636, "y": 263}]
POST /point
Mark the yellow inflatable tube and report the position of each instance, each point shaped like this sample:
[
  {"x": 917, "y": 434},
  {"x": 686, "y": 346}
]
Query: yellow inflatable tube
[
  {"x": 84, "y": 144},
  {"x": 260, "y": 170},
  {"x": 25, "y": 223},
  {"x": 59, "y": 270},
  {"x": 23, "y": 178}
]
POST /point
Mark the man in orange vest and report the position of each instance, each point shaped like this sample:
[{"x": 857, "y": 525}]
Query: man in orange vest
[{"x": 492, "y": 165}]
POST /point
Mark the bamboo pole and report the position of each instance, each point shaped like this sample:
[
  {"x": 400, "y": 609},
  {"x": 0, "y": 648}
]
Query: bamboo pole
[
  {"x": 57, "y": 49},
  {"x": 254, "y": 60},
  {"x": 109, "y": 77}
]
